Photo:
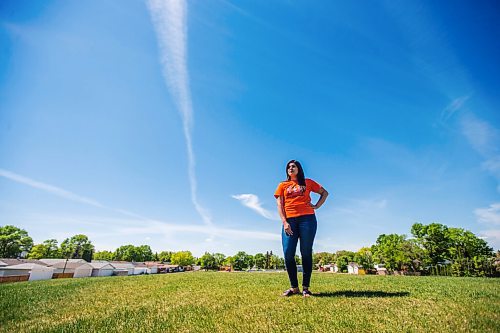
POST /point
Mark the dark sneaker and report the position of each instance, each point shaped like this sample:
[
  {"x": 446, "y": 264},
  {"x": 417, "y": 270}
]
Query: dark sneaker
[
  {"x": 306, "y": 293},
  {"x": 290, "y": 292}
]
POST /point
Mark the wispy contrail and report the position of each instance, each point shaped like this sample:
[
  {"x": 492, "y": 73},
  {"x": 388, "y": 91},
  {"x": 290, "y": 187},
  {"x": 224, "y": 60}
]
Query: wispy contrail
[
  {"x": 252, "y": 201},
  {"x": 64, "y": 193},
  {"x": 49, "y": 188},
  {"x": 169, "y": 20}
]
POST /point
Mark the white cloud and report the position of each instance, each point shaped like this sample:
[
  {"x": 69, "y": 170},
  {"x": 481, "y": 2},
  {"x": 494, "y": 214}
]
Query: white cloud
[
  {"x": 169, "y": 20},
  {"x": 252, "y": 201},
  {"x": 492, "y": 237},
  {"x": 490, "y": 215}
]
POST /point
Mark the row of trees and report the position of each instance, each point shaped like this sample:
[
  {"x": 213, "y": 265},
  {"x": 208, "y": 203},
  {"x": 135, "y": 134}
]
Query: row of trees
[
  {"x": 433, "y": 249},
  {"x": 242, "y": 261},
  {"x": 15, "y": 242},
  {"x": 434, "y": 246},
  {"x": 76, "y": 247}
]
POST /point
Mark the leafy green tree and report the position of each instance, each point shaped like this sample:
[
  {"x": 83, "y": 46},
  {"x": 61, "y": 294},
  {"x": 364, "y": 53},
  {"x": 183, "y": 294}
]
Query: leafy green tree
[
  {"x": 104, "y": 255},
  {"x": 280, "y": 263},
  {"x": 298, "y": 260},
  {"x": 242, "y": 260},
  {"x": 183, "y": 258},
  {"x": 229, "y": 261},
  {"x": 464, "y": 244},
  {"x": 165, "y": 256},
  {"x": 134, "y": 253},
  {"x": 48, "y": 249},
  {"x": 219, "y": 259},
  {"x": 323, "y": 258},
  {"x": 260, "y": 260},
  {"x": 469, "y": 255},
  {"x": 414, "y": 255},
  {"x": 434, "y": 238},
  {"x": 390, "y": 250},
  {"x": 207, "y": 261},
  {"x": 343, "y": 258},
  {"x": 397, "y": 252},
  {"x": 251, "y": 261},
  {"x": 268, "y": 256},
  {"x": 143, "y": 253},
  {"x": 77, "y": 247},
  {"x": 38, "y": 251},
  {"x": 126, "y": 253},
  {"x": 13, "y": 241},
  {"x": 53, "y": 250},
  {"x": 364, "y": 257},
  {"x": 276, "y": 262}
]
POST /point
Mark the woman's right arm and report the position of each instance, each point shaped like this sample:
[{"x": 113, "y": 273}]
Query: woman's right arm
[{"x": 281, "y": 212}]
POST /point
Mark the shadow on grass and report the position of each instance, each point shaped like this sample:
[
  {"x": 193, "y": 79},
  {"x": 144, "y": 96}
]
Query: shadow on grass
[{"x": 362, "y": 293}]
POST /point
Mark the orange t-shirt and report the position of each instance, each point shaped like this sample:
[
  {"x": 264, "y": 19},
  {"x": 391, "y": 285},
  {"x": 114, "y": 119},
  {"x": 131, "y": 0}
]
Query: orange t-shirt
[{"x": 296, "y": 199}]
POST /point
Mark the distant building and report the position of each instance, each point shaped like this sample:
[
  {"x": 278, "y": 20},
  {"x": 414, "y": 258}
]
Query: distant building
[
  {"x": 121, "y": 266},
  {"x": 381, "y": 270},
  {"x": 29, "y": 271},
  {"x": 354, "y": 268},
  {"x": 101, "y": 268},
  {"x": 79, "y": 269}
]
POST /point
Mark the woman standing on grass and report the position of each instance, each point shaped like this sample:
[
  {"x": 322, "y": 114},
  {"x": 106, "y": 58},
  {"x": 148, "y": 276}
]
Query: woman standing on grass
[{"x": 299, "y": 222}]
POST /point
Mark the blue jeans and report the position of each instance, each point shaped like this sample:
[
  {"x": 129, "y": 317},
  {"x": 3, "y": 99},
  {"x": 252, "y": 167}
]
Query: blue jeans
[{"x": 303, "y": 228}]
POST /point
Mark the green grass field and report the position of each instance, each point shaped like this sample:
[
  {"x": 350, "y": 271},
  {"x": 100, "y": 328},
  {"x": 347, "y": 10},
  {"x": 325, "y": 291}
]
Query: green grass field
[{"x": 250, "y": 302}]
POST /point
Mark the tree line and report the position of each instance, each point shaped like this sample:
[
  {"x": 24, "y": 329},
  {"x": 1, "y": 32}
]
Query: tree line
[{"x": 433, "y": 249}]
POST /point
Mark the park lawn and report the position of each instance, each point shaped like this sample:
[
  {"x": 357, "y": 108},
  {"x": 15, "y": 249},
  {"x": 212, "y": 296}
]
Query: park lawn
[{"x": 250, "y": 302}]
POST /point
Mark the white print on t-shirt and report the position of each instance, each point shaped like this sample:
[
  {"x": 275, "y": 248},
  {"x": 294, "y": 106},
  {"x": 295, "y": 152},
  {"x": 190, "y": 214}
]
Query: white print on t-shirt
[{"x": 293, "y": 191}]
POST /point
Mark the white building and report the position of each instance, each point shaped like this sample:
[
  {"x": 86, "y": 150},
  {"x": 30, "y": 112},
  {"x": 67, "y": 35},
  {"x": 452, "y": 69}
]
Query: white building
[
  {"x": 14, "y": 271},
  {"x": 79, "y": 269},
  {"x": 381, "y": 270},
  {"x": 152, "y": 267},
  {"x": 34, "y": 271},
  {"x": 121, "y": 266},
  {"x": 39, "y": 272},
  {"x": 354, "y": 268},
  {"x": 140, "y": 268},
  {"x": 101, "y": 268}
]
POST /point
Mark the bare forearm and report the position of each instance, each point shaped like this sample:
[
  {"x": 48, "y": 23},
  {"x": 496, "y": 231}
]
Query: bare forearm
[
  {"x": 281, "y": 213},
  {"x": 322, "y": 199},
  {"x": 281, "y": 210}
]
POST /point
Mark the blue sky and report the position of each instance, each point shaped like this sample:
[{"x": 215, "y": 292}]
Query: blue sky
[{"x": 170, "y": 123}]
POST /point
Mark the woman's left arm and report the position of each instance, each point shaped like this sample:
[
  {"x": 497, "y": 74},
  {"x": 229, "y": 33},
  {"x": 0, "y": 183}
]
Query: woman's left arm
[{"x": 323, "y": 194}]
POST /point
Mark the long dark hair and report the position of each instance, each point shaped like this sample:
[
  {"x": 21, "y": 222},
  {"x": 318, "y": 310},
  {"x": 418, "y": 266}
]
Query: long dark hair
[{"x": 300, "y": 175}]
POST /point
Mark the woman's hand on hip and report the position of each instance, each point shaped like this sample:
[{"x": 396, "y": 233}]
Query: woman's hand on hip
[{"x": 287, "y": 228}]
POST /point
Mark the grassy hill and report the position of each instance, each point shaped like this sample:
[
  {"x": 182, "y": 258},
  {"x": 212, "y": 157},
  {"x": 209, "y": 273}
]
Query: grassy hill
[{"x": 250, "y": 302}]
